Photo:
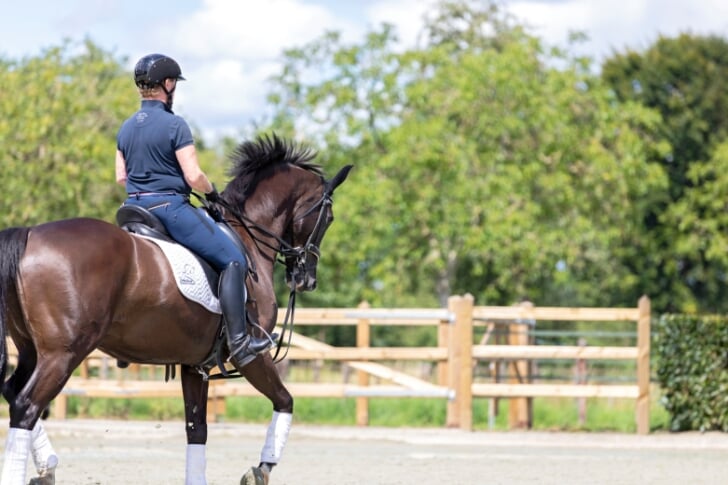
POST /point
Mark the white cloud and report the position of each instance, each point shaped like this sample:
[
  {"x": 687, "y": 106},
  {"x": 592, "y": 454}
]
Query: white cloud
[
  {"x": 620, "y": 24},
  {"x": 229, "y": 48},
  {"x": 406, "y": 15},
  {"x": 250, "y": 30}
]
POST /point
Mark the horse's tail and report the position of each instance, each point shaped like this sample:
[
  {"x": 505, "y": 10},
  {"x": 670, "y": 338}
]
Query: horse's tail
[{"x": 12, "y": 247}]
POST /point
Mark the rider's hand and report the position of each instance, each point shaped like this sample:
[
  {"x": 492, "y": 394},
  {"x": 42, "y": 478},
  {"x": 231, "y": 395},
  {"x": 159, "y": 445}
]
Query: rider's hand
[{"x": 213, "y": 195}]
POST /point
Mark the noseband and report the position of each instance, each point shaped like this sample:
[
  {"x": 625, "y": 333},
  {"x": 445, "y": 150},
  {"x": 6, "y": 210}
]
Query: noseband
[{"x": 300, "y": 254}]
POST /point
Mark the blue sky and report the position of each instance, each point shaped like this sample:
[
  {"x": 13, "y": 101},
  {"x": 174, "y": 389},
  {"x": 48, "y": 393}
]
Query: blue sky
[{"x": 228, "y": 48}]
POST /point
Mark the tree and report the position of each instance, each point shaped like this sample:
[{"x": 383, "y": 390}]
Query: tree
[
  {"x": 683, "y": 79},
  {"x": 700, "y": 221},
  {"x": 57, "y": 134},
  {"x": 479, "y": 167}
]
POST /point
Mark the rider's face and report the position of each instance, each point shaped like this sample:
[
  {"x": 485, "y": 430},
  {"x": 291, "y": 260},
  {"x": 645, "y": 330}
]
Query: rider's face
[{"x": 170, "y": 84}]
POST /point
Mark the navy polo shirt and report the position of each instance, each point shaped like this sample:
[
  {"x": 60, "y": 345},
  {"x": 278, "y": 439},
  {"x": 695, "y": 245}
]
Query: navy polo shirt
[{"x": 148, "y": 140}]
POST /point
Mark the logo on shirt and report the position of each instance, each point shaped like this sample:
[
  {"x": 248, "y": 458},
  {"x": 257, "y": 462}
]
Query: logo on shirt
[{"x": 141, "y": 116}]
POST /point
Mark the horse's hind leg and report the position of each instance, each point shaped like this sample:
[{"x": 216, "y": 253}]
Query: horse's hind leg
[
  {"x": 44, "y": 456},
  {"x": 194, "y": 392},
  {"x": 21, "y": 442},
  {"x": 28, "y": 396}
]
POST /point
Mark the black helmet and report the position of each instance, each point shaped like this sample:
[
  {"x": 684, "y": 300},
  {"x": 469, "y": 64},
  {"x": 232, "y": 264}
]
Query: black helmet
[{"x": 153, "y": 69}]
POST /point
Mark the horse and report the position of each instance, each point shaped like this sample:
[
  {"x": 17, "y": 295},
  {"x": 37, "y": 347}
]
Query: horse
[{"x": 70, "y": 286}]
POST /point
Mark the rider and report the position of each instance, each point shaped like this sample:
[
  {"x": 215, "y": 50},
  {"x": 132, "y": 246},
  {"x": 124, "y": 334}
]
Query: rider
[{"x": 157, "y": 163}]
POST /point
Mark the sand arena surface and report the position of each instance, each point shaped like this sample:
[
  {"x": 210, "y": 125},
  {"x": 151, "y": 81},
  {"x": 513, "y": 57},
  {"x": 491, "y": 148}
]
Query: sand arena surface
[{"x": 132, "y": 452}]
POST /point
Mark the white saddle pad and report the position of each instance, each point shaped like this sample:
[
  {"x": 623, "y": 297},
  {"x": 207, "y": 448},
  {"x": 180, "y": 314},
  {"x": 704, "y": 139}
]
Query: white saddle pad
[{"x": 188, "y": 273}]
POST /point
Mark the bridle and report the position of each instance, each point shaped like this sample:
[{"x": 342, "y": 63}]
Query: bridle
[
  {"x": 297, "y": 257},
  {"x": 293, "y": 257}
]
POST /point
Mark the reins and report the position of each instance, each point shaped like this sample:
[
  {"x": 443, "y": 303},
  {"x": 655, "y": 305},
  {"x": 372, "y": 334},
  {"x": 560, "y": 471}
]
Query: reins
[{"x": 285, "y": 249}]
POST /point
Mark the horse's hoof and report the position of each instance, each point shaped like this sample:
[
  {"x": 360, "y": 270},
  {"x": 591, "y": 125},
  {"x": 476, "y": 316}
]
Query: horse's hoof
[
  {"x": 254, "y": 476},
  {"x": 48, "y": 479}
]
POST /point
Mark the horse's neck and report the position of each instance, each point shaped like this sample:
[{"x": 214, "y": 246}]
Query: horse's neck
[
  {"x": 261, "y": 247},
  {"x": 269, "y": 220},
  {"x": 263, "y": 236}
]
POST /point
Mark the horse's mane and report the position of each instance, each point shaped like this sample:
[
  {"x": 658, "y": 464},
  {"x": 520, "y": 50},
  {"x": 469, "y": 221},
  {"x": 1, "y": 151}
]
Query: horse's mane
[{"x": 251, "y": 160}]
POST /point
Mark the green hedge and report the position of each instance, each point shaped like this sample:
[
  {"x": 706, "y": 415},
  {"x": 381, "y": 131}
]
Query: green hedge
[{"x": 691, "y": 353}]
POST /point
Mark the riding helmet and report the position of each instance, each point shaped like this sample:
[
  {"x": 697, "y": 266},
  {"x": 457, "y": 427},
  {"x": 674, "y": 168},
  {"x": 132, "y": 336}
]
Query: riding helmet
[{"x": 153, "y": 69}]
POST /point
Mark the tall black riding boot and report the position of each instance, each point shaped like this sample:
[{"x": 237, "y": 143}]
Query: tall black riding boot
[{"x": 233, "y": 296}]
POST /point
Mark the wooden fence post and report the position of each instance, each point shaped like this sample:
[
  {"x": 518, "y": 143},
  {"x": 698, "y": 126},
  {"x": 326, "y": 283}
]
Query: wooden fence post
[
  {"x": 460, "y": 362},
  {"x": 216, "y": 406},
  {"x": 443, "y": 341},
  {"x": 520, "y": 408},
  {"x": 60, "y": 406},
  {"x": 643, "y": 366},
  {"x": 580, "y": 377},
  {"x": 363, "y": 340}
]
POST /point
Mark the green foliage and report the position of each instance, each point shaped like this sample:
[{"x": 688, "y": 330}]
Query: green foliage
[
  {"x": 57, "y": 134},
  {"x": 562, "y": 414},
  {"x": 692, "y": 370},
  {"x": 61, "y": 113},
  {"x": 485, "y": 161},
  {"x": 478, "y": 167},
  {"x": 549, "y": 413},
  {"x": 699, "y": 229},
  {"x": 161, "y": 408},
  {"x": 682, "y": 78},
  {"x": 413, "y": 412}
]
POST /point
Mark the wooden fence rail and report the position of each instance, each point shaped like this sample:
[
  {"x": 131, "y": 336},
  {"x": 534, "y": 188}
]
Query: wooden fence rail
[{"x": 455, "y": 354}]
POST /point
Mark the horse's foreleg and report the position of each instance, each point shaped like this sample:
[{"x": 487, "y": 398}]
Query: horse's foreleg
[
  {"x": 275, "y": 439},
  {"x": 263, "y": 375},
  {"x": 44, "y": 456},
  {"x": 194, "y": 390}
]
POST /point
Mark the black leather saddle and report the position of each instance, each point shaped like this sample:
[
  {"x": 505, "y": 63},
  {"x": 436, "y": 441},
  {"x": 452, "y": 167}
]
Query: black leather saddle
[{"x": 139, "y": 220}]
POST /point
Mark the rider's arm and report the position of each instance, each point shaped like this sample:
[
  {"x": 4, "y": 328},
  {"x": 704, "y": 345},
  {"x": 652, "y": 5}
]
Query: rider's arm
[
  {"x": 195, "y": 177},
  {"x": 120, "y": 168}
]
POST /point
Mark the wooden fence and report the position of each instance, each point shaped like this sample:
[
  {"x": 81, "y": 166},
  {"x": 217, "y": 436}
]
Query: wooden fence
[{"x": 458, "y": 348}]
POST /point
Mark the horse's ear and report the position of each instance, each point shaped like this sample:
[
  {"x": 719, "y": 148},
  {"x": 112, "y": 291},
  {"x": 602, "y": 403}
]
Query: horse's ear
[{"x": 339, "y": 177}]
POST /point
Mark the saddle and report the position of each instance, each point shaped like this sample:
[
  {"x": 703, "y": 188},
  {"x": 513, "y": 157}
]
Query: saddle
[{"x": 138, "y": 220}]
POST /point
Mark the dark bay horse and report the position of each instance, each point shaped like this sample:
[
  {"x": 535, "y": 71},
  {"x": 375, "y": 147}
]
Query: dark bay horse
[{"x": 71, "y": 286}]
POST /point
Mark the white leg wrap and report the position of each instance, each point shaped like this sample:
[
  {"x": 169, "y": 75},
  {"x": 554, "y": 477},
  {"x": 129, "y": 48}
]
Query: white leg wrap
[
  {"x": 196, "y": 464},
  {"x": 276, "y": 437},
  {"x": 44, "y": 456},
  {"x": 17, "y": 449}
]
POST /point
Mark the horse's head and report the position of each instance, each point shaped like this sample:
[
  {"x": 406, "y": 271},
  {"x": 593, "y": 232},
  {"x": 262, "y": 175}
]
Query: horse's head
[
  {"x": 287, "y": 203},
  {"x": 305, "y": 233}
]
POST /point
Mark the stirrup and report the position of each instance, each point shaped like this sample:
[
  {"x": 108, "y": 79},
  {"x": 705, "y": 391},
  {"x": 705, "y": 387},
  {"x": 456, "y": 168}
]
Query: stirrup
[{"x": 250, "y": 349}]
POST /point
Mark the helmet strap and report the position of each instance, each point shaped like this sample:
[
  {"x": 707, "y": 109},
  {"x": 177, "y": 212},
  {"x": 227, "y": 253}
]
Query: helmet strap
[{"x": 168, "y": 103}]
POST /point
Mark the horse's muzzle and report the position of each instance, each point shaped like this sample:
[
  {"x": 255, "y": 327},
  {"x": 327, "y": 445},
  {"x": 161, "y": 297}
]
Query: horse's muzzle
[{"x": 301, "y": 280}]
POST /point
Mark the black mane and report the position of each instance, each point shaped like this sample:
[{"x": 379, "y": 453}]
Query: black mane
[{"x": 251, "y": 160}]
